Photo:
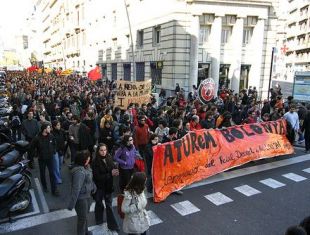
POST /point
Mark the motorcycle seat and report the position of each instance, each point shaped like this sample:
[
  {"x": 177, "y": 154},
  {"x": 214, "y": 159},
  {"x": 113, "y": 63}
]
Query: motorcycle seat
[
  {"x": 12, "y": 170},
  {"x": 21, "y": 145},
  {"x": 8, "y": 184},
  {"x": 4, "y": 147},
  {"x": 10, "y": 158}
]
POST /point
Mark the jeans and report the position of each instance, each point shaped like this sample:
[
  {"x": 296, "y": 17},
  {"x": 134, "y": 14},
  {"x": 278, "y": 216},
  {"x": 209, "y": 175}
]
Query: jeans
[
  {"x": 57, "y": 161},
  {"x": 43, "y": 163},
  {"x": 99, "y": 209},
  {"x": 82, "y": 207}
]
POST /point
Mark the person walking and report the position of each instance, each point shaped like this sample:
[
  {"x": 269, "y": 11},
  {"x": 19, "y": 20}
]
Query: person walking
[
  {"x": 60, "y": 137},
  {"x": 45, "y": 144},
  {"x": 154, "y": 140},
  {"x": 103, "y": 173},
  {"x": 81, "y": 190},
  {"x": 293, "y": 119},
  {"x": 30, "y": 128},
  {"x": 136, "y": 220}
]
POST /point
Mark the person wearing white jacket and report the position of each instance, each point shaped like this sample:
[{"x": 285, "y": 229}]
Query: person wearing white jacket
[{"x": 136, "y": 219}]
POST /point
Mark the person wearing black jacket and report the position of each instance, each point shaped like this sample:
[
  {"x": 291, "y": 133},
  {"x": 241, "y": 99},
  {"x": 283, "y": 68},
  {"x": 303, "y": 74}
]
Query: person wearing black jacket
[
  {"x": 45, "y": 144},
  {"x": 16, "y": 122},
  {"x": 60, "y": 138},
  {"x": 149, "y": 160},
  {"x": 103, "y": 173}
]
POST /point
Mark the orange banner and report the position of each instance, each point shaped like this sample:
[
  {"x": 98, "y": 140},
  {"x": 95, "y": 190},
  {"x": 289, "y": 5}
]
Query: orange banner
[{"x": 201, "y": 154}]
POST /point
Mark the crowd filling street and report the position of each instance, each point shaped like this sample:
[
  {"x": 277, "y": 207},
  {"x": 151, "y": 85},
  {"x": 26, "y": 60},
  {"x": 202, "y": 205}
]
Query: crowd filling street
[{"x": 72, "y": 116}]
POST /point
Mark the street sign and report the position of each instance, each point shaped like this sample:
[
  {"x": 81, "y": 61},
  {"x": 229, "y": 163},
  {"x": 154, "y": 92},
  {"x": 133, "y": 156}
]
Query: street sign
[{"x": 206, "y": 90}]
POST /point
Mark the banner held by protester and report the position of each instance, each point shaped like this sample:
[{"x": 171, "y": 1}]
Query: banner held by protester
[
  {"x": 128, "y": 92},
  {"x": 203, "y": 153}
]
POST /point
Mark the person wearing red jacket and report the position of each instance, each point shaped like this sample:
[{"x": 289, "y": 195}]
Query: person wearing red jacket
[
  {"x": 141, "y": 135},
  {"x": 194, "y": 123}
]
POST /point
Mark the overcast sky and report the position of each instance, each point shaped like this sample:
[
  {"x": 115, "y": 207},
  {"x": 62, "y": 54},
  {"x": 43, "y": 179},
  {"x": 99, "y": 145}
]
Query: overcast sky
[{"x": 12, "y": 15}]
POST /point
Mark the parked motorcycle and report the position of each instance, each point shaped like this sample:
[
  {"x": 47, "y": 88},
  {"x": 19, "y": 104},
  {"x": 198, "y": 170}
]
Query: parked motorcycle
[
  {"x": 13, "y": 196},
  {"x": 15, "y": 155},
  {"x": 19, "y": 168}
]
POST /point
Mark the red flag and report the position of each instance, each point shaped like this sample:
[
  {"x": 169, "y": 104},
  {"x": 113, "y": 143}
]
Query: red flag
[
  {"x": 94, "y": 74},
  {"x": 32, "y": 68}
]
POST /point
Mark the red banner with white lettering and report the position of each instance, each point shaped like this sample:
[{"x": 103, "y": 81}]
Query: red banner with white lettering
[{"x": 203, "y": 153}]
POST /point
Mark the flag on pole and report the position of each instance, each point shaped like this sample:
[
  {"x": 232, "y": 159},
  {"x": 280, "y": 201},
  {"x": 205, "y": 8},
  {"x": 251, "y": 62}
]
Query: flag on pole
[{"x": 94, "y": 74}]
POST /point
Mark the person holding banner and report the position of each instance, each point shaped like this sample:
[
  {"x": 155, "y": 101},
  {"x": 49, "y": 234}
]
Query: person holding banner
[
  {"x": 125, "y": 155},
  {"x": 154, "y": 140}
]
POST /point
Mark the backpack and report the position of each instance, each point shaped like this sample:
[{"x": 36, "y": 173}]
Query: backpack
[{"x": 16, "y": 121}]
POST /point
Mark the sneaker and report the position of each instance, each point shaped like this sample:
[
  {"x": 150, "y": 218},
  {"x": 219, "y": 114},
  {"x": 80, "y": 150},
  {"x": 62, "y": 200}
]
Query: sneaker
[
  {"x": 301, "y": 141},
  {"x": 179, "y": 192},
  {"x": 306, "y": 151}
]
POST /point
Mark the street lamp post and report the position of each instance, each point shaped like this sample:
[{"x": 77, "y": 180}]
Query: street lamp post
[{"x": 132, "y": 48}]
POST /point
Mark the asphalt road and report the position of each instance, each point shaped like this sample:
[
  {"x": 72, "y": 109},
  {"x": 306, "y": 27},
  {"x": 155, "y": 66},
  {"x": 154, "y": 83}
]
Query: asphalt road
[{"x": 217, "y": 205}]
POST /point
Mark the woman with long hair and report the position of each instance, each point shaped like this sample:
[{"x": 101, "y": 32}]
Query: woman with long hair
[
  {"x": 136, "y": 220},
  {"x": 125, "y": 155},
  {"x": 103, "y": 173}
]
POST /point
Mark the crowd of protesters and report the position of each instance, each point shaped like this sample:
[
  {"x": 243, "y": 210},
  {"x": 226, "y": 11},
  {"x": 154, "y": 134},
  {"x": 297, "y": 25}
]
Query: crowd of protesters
[{"x": 63, "y": 116}]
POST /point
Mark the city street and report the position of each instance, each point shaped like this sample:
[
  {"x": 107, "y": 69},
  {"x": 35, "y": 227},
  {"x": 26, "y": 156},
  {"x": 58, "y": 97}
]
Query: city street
[{"x": 263, "y": 197}]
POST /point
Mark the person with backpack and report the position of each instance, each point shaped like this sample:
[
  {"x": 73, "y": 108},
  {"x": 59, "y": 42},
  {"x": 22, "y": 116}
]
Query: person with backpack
[
  {"x": 16, "y": 122},
  {"x": 136, "y": 219}
]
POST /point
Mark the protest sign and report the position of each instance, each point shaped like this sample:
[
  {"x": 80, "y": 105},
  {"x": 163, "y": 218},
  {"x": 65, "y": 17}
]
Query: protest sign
[
  {"x": 203, "y": 153},
  {"x": 132, "y": 92}
]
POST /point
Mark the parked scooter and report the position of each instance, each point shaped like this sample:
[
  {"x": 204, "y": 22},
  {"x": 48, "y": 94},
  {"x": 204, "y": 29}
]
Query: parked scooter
[
  {"x": 13, "y": 196},
  {"x": 15, "y": 155},
  {"x": 19, "y": 168}
]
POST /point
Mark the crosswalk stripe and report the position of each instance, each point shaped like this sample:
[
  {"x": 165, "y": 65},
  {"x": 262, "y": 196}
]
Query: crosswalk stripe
[
  {"x": 101, "y": 230},
  {"x": 218, "y": 198},
  {"x": 185, "y": 208},
  {"x": 247, "y": 190},
  {"x": 294, "y": 177},
  {"x": 272, "y": 183},
  {"x": 306, "y": 170},
  {"x": 154, "y": 219}
]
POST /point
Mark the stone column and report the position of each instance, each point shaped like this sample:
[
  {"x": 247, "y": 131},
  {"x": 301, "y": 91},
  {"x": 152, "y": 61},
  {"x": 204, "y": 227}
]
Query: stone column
[
  {"x": 194, "y": 44},
  {"x": 235, "y": 68},
  {"x": 215, "y": 40}
]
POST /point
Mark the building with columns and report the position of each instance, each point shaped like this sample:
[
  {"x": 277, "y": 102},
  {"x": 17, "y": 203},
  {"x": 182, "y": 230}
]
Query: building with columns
[
  {"x": 186, "y": 41},
  {"x": 173, "y": 41}
]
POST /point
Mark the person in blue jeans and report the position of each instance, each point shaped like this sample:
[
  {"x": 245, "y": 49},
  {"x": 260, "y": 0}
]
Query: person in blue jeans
[{"x": 60, "y": 137}]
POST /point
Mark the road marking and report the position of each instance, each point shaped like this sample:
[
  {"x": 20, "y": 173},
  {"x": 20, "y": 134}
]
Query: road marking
[
  {"x": 249, "y": 170},
  {"x": 185, "y": 208},
  {"x": 247, "y": 190},
  {"x": 36, "y": 220},
  {"x": 101, "y": 230},
  {"x": 272, "y": 183},
  {"x": 41, "y": 196},
  {"x": 63, "y": 214},
  {"x": 36, "y": 209},
  {"x": 154, "y": 219},
  {"x": 218, "y": 198},
  {"x": 294, "y": 177},
  {"x": 306, "y": 170}
]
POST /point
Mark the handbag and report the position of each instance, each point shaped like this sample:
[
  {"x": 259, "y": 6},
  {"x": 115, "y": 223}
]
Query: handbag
[{"x": 120, "y": 199}]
